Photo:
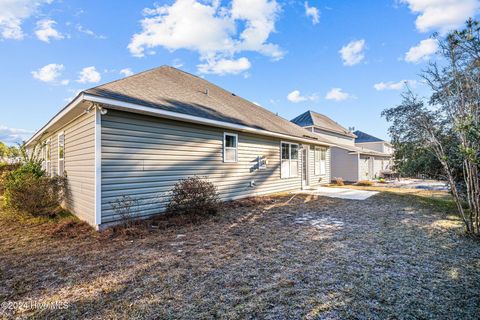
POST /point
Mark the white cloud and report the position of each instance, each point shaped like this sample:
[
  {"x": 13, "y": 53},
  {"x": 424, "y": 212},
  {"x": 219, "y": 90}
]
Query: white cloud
[
  {"x": 89, "y": 32},
  {"x": 337, "y": 94},
  {"x": 225, "y": 66},
  {"x": 13, "y": 135},
  {"x": 12, "y": 15},
  {"x": 89, "y": 75},
  {"x": 312, "y": 12},
  {"x": 177, "y": 63},
  {"x": 46, "y": 30},
  {"x": 352, "y": 53},
  {"x": 50, "y": 74},
  {"x": 295, "y": 96},
  {"x": 216, "y": 32},
  {"x": 422, "y": 51},
  {"x": 442, "y": 15},
  {"x": 126, "y": 72},
  {"x": 394, "y": 85}
]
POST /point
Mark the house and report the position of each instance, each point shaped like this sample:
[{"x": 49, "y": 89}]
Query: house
[
  {"x": 364, "y": 140},
  {"x": 350, "y": 161},
  {"x": 138, "y": 136}
]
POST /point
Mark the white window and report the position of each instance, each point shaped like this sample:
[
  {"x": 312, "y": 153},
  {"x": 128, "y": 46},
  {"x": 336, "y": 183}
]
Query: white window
[
  {"x": 320, "y": 160},
  {"x": 230, "y": 147},
  {"x": 47, "y": 157},
  {"x": 61, "y": 154},
  {"x": 289, "y": 158}
]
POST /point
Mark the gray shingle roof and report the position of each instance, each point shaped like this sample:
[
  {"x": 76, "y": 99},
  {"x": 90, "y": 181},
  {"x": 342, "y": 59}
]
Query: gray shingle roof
[
  {"x": 365, "y": 137},
  {"x": 170, "y": 89},
  {"x": 312, "y": 118}
]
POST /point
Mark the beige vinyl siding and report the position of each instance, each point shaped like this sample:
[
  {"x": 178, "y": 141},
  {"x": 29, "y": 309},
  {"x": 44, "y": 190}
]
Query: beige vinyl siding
[
  {"x": 344, "y": 165},
  {"x": 143, "y": 157},
  {"x": 79, "y": 164},
  {"x": 375, "y": 146},
  {"x": 314, "y": 179}
]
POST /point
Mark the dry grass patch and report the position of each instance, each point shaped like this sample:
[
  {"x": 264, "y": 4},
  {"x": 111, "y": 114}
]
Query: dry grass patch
[{"x": 279, "y": 257}]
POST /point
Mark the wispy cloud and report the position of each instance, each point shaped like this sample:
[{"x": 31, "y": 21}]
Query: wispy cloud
[
  {"x": 399, "y": 85},
  {"x": 89, "y": 32},
  {"x": 337, "y": 94},
  {"x": 423, "y": 51},
  {"x": 45, "y": 31},
  {"x": 352, "y": 53},
  {"x": 225, "y": 66},
  {"x": 89, "y": 75},
  {"x": 13, "y": 135},
  {"x": 126, "y": 72},
  {"x": 51, "y": 74},
  {"x": 312, "y": 12},
  {"x": 295, "y": 96}
]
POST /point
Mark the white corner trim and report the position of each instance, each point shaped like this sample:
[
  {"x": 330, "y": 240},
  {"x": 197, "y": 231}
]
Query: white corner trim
[
  {"x": 132, "y": 107},
  {"x": 98, "y": 167}
]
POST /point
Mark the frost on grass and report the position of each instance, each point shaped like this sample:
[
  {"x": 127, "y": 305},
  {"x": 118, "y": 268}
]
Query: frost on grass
[{"x": 322, "y": 222}]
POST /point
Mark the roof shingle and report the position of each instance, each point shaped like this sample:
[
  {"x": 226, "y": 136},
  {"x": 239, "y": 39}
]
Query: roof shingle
[{"x": 170, "y": 89}]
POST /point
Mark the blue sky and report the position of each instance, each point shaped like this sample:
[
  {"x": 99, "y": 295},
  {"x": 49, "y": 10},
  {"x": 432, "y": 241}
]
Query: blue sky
[{"x": 345, "y": 59}]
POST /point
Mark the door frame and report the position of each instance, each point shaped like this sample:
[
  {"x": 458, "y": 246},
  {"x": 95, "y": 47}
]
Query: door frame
[{"x": 305, "y": 166}]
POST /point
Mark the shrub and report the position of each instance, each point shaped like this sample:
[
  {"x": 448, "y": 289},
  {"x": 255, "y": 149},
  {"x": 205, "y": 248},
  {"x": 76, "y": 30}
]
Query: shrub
[
  {"x": 124, "y": 207},
  {"x": 339, "y": 182},
  {"x": 193, "y": 196},
  {"x": 5, "y": 168},
  {"x": 27, "y": 189},
  {"x": 364, "y": 183}
]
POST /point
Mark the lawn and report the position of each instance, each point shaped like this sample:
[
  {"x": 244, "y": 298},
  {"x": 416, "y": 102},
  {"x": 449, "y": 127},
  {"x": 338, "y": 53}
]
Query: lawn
[{"x": 280, "y": 257}]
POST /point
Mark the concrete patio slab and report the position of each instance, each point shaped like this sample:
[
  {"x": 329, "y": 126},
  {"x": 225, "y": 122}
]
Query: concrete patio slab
[{"x": 342, "y": 193}]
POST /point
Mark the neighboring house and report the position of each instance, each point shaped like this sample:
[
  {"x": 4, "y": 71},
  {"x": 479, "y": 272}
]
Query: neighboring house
[
  {"x": 139, "y": 135},
  {"x": 349, "y": 161},
  {"x": 364, "y": 140}
]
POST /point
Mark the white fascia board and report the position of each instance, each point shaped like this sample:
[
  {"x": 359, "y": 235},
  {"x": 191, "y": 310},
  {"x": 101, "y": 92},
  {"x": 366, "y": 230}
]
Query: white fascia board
[
  {"x": 57, "y": 117},
  {"x": 132, "y": 107}
]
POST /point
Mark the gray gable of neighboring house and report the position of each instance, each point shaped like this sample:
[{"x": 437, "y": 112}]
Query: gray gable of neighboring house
[{"x": 320, "y": 121}]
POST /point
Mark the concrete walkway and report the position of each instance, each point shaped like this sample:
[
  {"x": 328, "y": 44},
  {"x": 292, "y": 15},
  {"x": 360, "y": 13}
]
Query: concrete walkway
[{"x": 341, "y": 193}]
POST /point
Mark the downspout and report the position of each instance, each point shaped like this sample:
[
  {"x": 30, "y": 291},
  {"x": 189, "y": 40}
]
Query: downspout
[{"x": 98, "y": 166}]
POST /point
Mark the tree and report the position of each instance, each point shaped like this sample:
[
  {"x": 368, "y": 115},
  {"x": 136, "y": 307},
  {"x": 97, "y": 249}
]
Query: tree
[
  {"x": 449, "y": 124},
  {"x": 3, "y": 150}
]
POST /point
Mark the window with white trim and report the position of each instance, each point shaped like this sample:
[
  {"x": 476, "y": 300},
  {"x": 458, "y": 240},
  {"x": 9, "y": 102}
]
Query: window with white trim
[
  {"x": 47, "y": 158},
  {"x": 230, "y": 147},
  {"x": 289, "y": 159},
  {"x": 320, "y": 160},
  {"x": 61, "y": 154}
]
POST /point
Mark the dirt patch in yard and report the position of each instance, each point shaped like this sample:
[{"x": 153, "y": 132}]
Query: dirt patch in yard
[{"x": 295, "y": 256}]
